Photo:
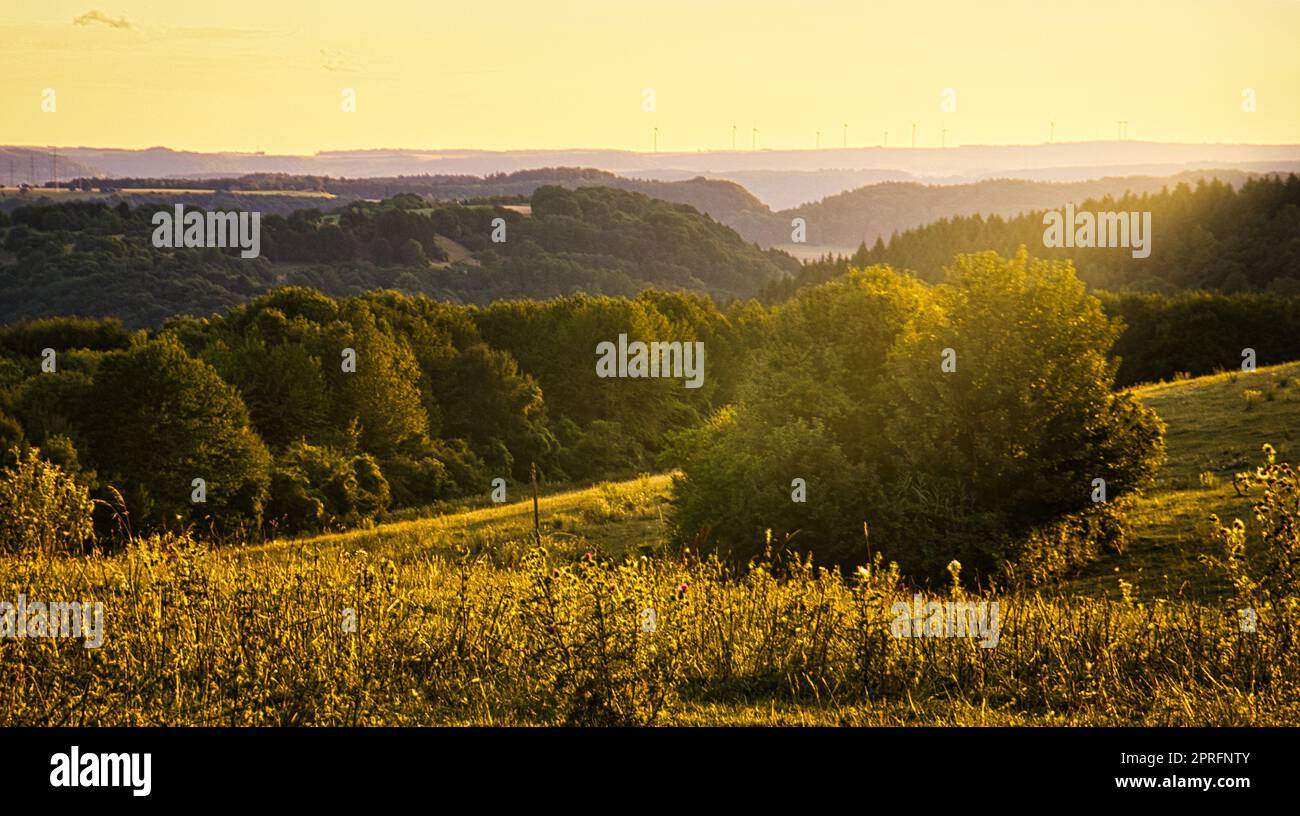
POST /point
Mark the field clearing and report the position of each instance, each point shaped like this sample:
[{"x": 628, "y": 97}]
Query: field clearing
[
  {"x": 455, "y": 252},
  {"x": 101, "y": 194}
]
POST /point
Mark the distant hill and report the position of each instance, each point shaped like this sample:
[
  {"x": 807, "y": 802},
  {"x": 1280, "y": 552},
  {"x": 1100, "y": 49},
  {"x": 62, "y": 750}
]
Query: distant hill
[
  {"x": 35, "y": 166},
  {"x": 784, "y": 189},
  {"x": 880, "y": 210},
  {"x": 1210, "y": 235},
  {"x": 92, "y": 259},
  {"x": 839, "y": 221},
  {"x": 781, "y": 179}
]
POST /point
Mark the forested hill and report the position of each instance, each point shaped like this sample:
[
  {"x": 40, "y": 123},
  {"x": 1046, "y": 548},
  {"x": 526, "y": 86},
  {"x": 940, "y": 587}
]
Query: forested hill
[
  {"x": 1210, "y": 236},
  {"x": 92, "y": 259},
  {"x": 844, "y": 220},
  {"x": 726, "y": 201},
  {"x": 880, "y": 210}
]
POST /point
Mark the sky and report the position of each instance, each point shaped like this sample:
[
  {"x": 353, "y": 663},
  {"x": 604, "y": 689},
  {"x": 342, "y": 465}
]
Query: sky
[{"x": 276, "y": 75}]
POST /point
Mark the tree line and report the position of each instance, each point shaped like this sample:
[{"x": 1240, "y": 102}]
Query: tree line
[{"x": 302, "y": 412}]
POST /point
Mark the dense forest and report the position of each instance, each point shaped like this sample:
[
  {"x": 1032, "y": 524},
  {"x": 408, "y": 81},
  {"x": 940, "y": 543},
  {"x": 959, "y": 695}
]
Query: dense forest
[
  {"x": 87, "y": 258},
  {"x": 881, "y": 210},
  {"x": 1208, "y": 236},
  {"x": 303, "y": 412}
]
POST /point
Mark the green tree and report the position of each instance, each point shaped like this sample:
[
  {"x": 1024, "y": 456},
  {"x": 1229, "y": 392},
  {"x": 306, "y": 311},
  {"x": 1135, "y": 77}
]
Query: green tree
[
  {"x": 162, "y": 419},
  {"x": 951, "y": 420}
]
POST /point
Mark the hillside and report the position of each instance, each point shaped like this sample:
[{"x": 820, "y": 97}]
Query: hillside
[
  {"x": 881, "y": 210},
  {"x": 92, "y": 259},
  {"x": 1210, "y": 235},
  {"x": 1055, "y": 161},
  {"x": 1216, "y": 427},
  {"x": 726, "y": 201},
  {"x": 1213, "y": 432},
  {"x": 883, "y": 203}
]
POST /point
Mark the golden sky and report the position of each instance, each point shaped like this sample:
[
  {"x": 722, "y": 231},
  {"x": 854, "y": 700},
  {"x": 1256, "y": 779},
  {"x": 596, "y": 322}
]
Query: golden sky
[{"x": 270, "y": 75}]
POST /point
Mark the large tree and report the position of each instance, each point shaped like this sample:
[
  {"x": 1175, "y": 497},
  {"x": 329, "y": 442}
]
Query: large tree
[
  {"x": 952, "y": 420},
  {"x": 160, "y": 419}
]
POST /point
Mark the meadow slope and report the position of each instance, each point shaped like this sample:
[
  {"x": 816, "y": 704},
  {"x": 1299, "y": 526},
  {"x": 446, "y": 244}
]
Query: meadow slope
[
  {"x": 458, "y": 618},
  {"x": 1213, "y": 431}
]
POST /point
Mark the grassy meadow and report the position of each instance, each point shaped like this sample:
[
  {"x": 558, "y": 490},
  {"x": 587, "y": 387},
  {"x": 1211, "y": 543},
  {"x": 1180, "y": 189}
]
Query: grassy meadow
[{"x": 460, "y": 618}]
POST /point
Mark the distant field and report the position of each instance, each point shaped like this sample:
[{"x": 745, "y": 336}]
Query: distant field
[
  {"x": 50, "y": 193},
  {"x": 455, "y": 252},
  {"x": 94, "y": 194}
]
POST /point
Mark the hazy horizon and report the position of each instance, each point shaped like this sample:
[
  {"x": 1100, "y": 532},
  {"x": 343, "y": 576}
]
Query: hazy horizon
[{"x": 661, "y": 153}]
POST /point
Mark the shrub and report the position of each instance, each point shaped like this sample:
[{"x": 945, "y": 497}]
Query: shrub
[
  {"x": 735, "y": 493},
  {"x": 316, "y": 488},
  {"x": 1053, "y": 549},
  {"x": 42, "y": 509},
  {"x": 1266, "y": 580},
  {"x": 1271, "y": 576}
]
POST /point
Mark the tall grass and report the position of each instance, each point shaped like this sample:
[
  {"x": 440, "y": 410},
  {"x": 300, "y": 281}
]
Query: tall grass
[{"x": 199, "y": 637}]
